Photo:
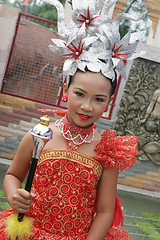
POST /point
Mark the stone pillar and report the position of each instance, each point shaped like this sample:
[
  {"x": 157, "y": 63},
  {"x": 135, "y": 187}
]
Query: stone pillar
[
  {"x": 67, "y": 12},
  {"x": 153, "y": 7},
  {"x": 119, "y": 7},
  {"x": 139, "y": 110},
  {"x": 8, "y": 20}
]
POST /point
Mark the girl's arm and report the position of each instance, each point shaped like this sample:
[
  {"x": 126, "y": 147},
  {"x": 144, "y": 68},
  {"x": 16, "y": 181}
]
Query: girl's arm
[
  {"x": 18, "y": 198},
  {"x": 105, "y": 205}
]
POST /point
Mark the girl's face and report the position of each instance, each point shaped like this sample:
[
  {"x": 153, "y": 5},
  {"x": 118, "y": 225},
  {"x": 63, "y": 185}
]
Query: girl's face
[{"x": 88, "y": 97}]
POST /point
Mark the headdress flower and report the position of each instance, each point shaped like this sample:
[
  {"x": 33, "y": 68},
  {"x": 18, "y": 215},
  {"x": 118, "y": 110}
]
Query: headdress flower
[{"x": 93, "y": 40}]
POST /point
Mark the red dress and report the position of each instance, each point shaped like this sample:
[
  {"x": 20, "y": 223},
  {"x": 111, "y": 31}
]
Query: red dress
[{"x": 66, "y": 185}]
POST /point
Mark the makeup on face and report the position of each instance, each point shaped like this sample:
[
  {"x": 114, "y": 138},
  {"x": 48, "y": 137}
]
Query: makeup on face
[{"x": 88, "y": 96}]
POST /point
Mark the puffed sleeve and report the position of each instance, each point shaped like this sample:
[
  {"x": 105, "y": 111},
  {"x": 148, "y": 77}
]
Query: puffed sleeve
[{"x": 117, "y": 151}]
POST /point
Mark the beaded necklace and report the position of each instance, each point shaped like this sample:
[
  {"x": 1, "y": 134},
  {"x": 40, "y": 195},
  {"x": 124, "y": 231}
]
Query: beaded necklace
[{"x": 73, "y": 135}]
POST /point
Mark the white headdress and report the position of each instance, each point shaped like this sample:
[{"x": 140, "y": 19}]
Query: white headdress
[{"x": 92, "y": 39}]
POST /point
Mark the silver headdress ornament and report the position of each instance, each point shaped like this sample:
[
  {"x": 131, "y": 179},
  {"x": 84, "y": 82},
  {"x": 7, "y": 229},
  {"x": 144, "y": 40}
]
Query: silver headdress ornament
[{"x": 93, "y": 40}]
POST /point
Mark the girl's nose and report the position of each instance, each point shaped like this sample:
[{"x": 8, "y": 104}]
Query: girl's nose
[{"x": 87, "y": 106}]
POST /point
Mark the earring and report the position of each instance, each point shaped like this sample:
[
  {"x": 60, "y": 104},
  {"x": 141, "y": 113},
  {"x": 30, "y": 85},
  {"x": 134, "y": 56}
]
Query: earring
[
  {"x": 106, "y": 109},
  {"x": 65, "y": 98}
]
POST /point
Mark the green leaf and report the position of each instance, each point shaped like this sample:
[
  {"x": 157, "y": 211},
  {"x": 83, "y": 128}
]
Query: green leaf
[
  {"x": 147, "y": 215},
  {"x": 154, "y": 219},
  {"x": 4, "y": 206},
  {"x": 70, "y": 2},
  {"x": 149, "y": 229},
  {"x": 2, "y": 193}
]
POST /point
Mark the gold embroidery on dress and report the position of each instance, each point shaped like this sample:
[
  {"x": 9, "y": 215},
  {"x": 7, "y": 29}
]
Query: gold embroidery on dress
[{"x": 74, "y": 157}]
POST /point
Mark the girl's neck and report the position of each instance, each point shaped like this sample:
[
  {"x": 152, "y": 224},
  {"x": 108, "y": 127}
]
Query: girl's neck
[{"x": 75, "y": 136}]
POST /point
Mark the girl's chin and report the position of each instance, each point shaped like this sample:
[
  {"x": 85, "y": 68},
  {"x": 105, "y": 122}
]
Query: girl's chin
[
  {"x": 84, "y": 124},
  {"x": 80, "y": 121},
  {"x": 88, "y": 126}
]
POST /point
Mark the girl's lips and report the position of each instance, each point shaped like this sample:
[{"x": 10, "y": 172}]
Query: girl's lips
[{"x": 83, "y": 117}]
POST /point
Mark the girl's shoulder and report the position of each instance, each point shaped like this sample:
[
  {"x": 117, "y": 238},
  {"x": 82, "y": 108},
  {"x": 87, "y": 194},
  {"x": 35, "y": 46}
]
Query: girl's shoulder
[{"x": 116, "y": 151}]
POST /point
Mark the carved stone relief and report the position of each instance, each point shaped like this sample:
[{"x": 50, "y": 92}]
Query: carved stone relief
[{"x": 139, "y": 112}]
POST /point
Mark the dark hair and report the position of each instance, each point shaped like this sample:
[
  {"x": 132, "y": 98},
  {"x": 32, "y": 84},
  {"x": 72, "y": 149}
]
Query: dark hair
[{"x": 113, "y": 82}]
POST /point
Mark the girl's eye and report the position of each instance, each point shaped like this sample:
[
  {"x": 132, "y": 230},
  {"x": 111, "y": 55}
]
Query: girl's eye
[
  {"x": 79, "y": 94},
  {"x": 99, "y": 99}
]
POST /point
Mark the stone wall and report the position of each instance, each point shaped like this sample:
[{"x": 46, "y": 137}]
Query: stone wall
[{"x": 139, "y": 110}]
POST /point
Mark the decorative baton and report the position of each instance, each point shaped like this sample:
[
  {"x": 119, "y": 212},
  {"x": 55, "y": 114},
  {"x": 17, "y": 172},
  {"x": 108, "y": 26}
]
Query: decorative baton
[{"x": 41, "y": 134}]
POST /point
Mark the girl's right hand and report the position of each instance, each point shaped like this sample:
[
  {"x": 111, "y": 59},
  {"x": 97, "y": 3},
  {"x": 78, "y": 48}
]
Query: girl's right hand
[{"x": 21, "y": 200}]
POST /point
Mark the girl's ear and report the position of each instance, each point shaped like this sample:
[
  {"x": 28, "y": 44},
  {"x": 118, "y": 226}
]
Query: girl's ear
[
  {"x": 65, "y": 89},
  {"x": 110, "y": 100}
]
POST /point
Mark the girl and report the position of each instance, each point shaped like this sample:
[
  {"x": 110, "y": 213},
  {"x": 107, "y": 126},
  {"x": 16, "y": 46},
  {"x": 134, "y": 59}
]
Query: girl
[
  {"x": 73, "y": 178},
  {"x": 75, "y": 184}
]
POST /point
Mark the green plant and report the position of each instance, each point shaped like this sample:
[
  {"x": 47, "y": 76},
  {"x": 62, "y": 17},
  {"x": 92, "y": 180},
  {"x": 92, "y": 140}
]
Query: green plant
[
  {"x": 2, "y": 193},
  {"x": 151, "y": 225},
  {"x": 5, "y": 205}
]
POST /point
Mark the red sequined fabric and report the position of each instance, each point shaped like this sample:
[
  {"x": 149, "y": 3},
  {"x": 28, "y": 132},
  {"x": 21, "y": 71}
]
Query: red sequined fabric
[
  {"x": 115, "y": 151},
  {"x": 66, "y": 187}
]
